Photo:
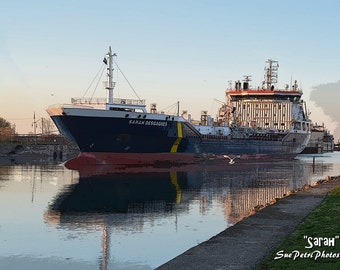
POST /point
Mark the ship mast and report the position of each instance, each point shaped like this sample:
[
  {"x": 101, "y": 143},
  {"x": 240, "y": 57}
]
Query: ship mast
[
  {"x": 110, "y": 84},
  {"x": 271, "y": 74}
]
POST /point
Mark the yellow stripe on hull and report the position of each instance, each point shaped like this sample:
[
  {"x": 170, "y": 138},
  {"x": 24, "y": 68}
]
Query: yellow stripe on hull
[
  {"x": 174, "y": 181},
  {"x": 179, "y": 138}
]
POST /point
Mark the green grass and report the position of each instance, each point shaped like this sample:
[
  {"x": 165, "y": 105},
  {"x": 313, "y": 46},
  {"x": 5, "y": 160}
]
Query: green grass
[{"x": 323, "y": 222}]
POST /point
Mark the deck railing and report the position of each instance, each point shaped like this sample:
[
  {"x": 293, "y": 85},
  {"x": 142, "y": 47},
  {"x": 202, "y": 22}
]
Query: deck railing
[{"x": 103, "y": 101}]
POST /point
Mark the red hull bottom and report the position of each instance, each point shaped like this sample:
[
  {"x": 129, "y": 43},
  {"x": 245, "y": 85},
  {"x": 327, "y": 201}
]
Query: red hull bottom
[
  {"x": 103, "y": 164},
  {"x": 136, "y": 159},
  {"x": 161, "y": 160}
]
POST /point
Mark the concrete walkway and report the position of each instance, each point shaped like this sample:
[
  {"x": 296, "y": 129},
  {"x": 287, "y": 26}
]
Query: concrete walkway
[{"x": 243, "y": 245}]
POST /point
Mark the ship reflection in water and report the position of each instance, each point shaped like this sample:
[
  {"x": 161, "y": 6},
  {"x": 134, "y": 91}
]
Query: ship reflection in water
[
  {"x": 104, "y": 217},
  {"x": 153, "y": 214}
]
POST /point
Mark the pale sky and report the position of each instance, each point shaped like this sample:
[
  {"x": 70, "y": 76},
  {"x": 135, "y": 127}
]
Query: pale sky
[{"x": 180, "y": 50}]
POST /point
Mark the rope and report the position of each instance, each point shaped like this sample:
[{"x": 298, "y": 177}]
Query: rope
[
  {"x": 171, "y": 107},
  {"x": 101, "y": 68},
  {"x": 97, "y": 83},
  {"x": 127, "y": 81}
]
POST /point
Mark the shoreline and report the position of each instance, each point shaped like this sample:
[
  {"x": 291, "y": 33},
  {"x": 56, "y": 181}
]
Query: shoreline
[
  {"x": 245, "y": 244},
  {"x": 35, "y": 154}
]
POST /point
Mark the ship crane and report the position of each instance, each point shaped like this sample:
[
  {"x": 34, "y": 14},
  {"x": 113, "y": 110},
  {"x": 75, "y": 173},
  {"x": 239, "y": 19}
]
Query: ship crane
[
  {"x": 223, "y": 103},
  {"x": 222, "y": 112}
]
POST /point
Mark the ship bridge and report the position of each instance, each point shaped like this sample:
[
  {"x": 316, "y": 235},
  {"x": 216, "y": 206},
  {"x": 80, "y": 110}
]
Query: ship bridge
[
  {"x": 267, "y": 107},
  {"x": 242, "y": 91}
]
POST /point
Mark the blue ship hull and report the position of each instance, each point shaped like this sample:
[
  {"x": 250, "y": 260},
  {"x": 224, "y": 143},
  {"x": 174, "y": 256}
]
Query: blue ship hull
[
  {"x": 127, "y": 139},
  {"x": 121, "y": 135}
]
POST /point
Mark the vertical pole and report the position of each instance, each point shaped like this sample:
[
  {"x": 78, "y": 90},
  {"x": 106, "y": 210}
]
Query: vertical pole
[
  {"x": 109, "y": 85},
  {"x": 35, "y": 129}
]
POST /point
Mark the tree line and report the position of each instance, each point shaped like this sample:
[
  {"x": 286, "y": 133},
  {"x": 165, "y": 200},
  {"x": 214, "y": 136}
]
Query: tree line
[
  {"x": 6, "y": 129},
  {"x": 42, "y": 126}
]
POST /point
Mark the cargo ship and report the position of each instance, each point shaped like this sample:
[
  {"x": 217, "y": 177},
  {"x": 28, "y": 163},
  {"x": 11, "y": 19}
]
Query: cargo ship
[{"x": 251, "y": 124}]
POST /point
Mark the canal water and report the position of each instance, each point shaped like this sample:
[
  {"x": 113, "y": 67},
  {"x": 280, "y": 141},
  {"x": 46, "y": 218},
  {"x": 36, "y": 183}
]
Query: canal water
[{"x": 135, "y": 218}]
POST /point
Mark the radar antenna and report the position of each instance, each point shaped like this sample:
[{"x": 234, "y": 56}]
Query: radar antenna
[{"x": 271, "y": 74}]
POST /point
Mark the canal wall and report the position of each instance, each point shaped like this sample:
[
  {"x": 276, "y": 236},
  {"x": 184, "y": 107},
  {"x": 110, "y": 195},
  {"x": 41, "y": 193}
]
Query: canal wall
[
  {"x": 11, "y": 154},
  {"x": 243, "y": 245}
]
